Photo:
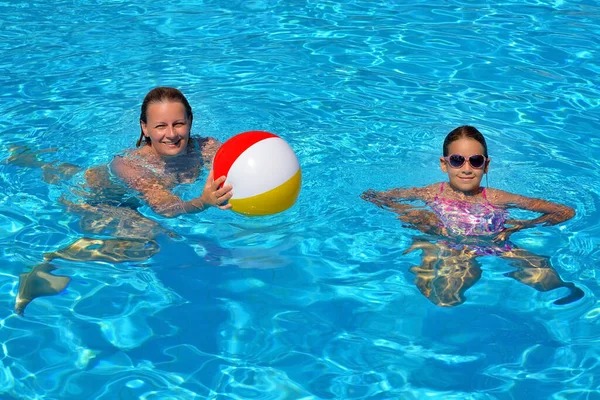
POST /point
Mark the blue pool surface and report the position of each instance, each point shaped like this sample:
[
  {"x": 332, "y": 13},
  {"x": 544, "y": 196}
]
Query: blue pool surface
[{"x": 317, "y": 302}]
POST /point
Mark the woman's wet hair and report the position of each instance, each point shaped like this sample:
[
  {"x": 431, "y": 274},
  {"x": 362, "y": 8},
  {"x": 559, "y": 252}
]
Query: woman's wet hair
[
  {"x": 465, "y": 131},
  {"x": 160, "y": 95}
]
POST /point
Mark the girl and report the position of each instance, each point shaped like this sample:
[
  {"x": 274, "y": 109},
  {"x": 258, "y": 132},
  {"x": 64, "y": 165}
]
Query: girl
[{"x": 471, "y": 220}]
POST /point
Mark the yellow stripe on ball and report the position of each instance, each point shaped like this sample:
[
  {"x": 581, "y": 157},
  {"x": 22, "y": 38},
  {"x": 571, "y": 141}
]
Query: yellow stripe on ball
[{"x": 271, "y": 202}]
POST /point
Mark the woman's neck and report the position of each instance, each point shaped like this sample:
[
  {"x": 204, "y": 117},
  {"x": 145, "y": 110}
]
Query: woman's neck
[{"x": 164, "y": 158}]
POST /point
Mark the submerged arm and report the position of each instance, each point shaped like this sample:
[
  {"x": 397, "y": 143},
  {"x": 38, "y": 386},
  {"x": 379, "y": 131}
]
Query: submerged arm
[
  {"x": 411, "y": 215},
  {"x": 551, "y": 213},
  {"x": 161, "y": 199},
  {"x": 392, "y": 197}
]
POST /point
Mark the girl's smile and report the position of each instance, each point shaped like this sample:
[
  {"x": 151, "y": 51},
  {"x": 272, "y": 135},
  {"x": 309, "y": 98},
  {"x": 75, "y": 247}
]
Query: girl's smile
[{"x": 464, "y": 178}]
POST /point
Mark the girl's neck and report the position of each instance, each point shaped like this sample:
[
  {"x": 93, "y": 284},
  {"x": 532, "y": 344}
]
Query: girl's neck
[{"x": 456, "y": 192}]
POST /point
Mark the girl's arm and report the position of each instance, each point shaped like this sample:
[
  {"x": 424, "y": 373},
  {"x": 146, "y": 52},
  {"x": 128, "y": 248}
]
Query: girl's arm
[
  {"x": 412, "y": 216},
  {"x": 392, "y": 197},
  {"x": 552, "y": 213},
  {"x": 161, "y": 199}
]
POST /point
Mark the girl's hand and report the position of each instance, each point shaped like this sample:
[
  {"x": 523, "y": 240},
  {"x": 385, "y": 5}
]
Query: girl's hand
[
  {"x": 503, "y": 236},
  {"x": 214, "y": 196},
  {"x": 424, "y": 221},
  {"x": 380, "y": 199}
]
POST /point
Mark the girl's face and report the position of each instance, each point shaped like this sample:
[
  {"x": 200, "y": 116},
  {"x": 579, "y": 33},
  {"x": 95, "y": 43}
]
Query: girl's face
[
  {"x": 466, "y": 178},
  {"x": 168, "y": 127}
]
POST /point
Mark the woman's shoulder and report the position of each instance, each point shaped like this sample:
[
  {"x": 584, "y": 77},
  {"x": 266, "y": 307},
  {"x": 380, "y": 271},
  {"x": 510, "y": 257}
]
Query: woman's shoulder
[
  {"x": 129, "y": 162},
  {"x": 203, "y": 141},
  {"x": 208, "y": 147},
  {"x": 133, "y": 154}
]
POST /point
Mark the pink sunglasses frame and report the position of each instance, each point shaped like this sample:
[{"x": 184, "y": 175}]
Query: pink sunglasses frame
[{"x": 447, "y": 158}]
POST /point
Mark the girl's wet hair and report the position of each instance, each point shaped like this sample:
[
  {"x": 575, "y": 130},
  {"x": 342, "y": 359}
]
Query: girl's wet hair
[
  {"x": 159, "y": 95},
  {"x": 465, "y": 131}
]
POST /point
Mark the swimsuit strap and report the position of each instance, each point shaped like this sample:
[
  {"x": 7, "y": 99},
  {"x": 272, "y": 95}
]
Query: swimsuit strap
[
  {"x": 437, "y": 195},
  {"x": 483, "y": 192}
]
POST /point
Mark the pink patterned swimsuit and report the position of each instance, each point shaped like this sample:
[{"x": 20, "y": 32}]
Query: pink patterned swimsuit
[{"x": 462, "y": 219}]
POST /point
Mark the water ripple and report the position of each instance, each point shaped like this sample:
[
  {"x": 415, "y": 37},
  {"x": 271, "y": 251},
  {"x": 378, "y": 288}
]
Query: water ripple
[{"x": 318, "y": 301}]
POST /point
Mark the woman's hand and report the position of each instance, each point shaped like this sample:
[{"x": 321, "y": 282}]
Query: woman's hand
[{"x": 214, "y": 196}]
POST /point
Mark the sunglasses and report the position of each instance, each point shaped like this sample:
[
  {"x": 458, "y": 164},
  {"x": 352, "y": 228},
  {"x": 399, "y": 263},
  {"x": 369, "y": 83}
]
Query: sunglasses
[{"x": 457, "y": 161}]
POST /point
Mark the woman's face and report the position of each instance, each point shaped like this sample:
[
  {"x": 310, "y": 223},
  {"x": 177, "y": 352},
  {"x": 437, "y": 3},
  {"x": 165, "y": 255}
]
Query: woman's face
[
  {"x": 168, "y": 127},
  {"x": 466, "y": 178}
]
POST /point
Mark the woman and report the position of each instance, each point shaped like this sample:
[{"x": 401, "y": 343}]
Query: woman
[{"x": 166, "y": 156}]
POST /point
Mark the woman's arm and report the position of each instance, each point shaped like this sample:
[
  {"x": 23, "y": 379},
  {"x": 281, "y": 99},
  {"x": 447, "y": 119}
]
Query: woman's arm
[{"x": 161, "y": 199}]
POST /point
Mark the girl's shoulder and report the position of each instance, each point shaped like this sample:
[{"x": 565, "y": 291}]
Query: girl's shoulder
[
  {"x": 502, "y": 197},
  {"x": 430, "y": 192},
  {"x": 424, "y": 193},
  {"x": 436, "y": 187}
]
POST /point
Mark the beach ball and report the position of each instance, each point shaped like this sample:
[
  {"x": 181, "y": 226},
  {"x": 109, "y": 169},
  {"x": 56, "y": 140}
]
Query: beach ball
[{"x": 263, "y": 170}]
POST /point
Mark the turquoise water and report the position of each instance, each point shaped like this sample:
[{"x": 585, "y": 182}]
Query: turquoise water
[{"x": 317, "y": 302}]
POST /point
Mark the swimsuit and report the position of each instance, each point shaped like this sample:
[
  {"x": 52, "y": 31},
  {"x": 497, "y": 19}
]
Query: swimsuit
[{"x": 463, "y": 219}]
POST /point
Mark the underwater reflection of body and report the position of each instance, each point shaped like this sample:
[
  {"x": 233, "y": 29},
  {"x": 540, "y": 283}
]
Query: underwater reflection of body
[
  {"x": 464, "y": 221},
  {"x": 108, "y": 201},
  {"x": 114, "y": 231},
  {"x": 447, "y": 271}
]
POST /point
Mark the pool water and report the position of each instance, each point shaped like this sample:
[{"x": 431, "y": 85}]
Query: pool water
[{"x": 317, "y": 302}]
